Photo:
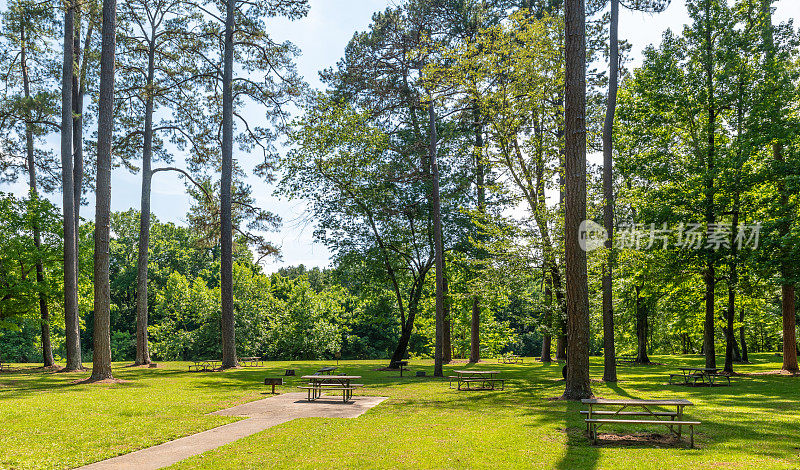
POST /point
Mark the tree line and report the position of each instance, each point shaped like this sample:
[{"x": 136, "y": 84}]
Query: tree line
[{"x": 444, "y": 163}]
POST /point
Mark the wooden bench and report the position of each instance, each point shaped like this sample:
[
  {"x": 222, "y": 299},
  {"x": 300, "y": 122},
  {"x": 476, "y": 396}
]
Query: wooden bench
[
  {"x": 484, "y": 381},
  {"x": 594, "y": 422},
  {"x": 273, "y": 381},
  {"x": 347, "y": 392}
]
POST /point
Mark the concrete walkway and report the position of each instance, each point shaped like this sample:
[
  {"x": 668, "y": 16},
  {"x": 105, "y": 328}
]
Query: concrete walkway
[{"x": 261, "y": 414}]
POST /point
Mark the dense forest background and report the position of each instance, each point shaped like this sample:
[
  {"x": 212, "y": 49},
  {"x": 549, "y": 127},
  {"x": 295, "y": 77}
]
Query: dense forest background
[{"x": 459, "y": 99}]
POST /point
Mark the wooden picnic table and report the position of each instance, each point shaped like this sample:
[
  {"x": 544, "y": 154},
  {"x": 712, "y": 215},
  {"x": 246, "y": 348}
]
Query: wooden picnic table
[
  {"x": 510, "y": 359},
  {"x": 251, "y": 361},
  {"x": 205, "y": 365},
  {"x": 327, "y": 370},
  {"x": 640, "y": 407},
  {"x": 486, "y": 378},
  {"x": 702, "y": 373},
  {"x": 320, "y": 383}
]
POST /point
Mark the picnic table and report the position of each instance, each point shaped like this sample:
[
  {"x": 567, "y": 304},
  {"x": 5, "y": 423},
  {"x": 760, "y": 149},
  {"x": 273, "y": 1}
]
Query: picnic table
[
  {"x": 324, "y": 383},
  {"x": 486, "y": 378},
  {"x": 205, "y": 365},
  {"x": 251, "y": 361},
  {"x": 626, "y": 360},
  {"x": 399, "y": 365},
  {"x": 637, "y": 407},
  {"x": 510, "y": 359},
  {"x": 326, "y": 370},
  {"x": 693, "y": 374}
]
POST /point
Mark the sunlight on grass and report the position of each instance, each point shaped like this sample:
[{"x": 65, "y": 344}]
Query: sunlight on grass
[{"x": 48, "y": 422}]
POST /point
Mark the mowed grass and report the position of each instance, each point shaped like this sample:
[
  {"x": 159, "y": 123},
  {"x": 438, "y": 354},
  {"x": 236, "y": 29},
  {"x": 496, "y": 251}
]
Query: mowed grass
[{"x": 47, "y": 421}]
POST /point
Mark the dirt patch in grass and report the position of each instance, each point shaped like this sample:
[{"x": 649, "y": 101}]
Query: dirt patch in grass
[
  {"x": 104, "y": 381},
  {"x": 650, "y": 439},
  {"x": 771, "y": 372}
]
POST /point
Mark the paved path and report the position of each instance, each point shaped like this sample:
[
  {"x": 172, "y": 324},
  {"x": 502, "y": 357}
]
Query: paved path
[{"x": 261, "y": 414}]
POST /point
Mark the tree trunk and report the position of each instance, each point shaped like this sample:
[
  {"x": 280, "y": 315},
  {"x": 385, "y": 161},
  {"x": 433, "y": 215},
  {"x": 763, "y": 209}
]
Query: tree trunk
[
  {"x": 77, "y": 132},
  {"x": 407, "y": 326},
  {"x": 101, "y": 368},
  {"x": 730, "y": 339},
  {"x": 609, "y": 352},
  {"x": 641, "y": 329},
  {"x": 547, "y": 338},
  {"x": 437, "y": 244},
  {"x": 47, "y": 349},
  {"x": 710, "y": 215},
  {"x": 577, "y": 381},
  {"x": 475, "y": 335},
  {"x": 226, "y": 229},
  {"x": 142, "y": 348},
  {"x": 742, "y": 340},
  {"x": 71, "y": 317},
  {"x": 789, "y": 328},
  {"x": 480, "y": 186},
  {"x": 447, "y": 343}
]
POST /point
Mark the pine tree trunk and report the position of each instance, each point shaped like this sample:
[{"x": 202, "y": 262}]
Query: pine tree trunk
[
  {"x": 447, "y": 344},
  {"x": 47, "y": 348},
  {"x": 142, "y": 348},
  {"x": 730, "y": 339},
  {"x": 641, "y": 329},
  {"x": 71, "y": 318},
  {"x": 547, "y": 338},
  {"x": 77, "y": 133},
  {"x": 609, "y": 352},
  {"x": 789, "y": 328},
  {"x": 742, "y": 340},
  {"x": 480, "y": 186},
  {"x": 101, "y": 368},
  {"x": 437, "y": 243},
  {"x": 710, "y": 214},
  {"x": 407, "y": 326},
  {"x": 577, "y": 381},
  {"x": 226, "y": 229}
]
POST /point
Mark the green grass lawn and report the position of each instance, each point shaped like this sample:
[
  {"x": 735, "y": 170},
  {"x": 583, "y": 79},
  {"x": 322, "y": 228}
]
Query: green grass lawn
[{"x": 49, "y": 422}]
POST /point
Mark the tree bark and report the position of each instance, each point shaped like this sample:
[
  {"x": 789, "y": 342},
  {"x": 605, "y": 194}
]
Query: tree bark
[
  {"x": 71, "y": 317},
  {"x": 447, "y": 344},
  {"x": 480, "y": 187},
  {"x": 742, "y": 340},
  {"x": 77, "y": 132},
  {"x": 101, "y": 368},
  {"x": 142, "y": 348},
  {"x": 641, "y": 329},
  {"x": 789, "y": 328},
  {"x": 47, "y": 349},
  {"x": 407, "y": 326},
  {"x": 226, "y": 229},
  {"x": 577, "y": 381},
  {"x": 710, "y": 214},
  {"x": 437, "y": 244},
  {"x": 609, "y": 351},
  {"x": 547, "y": 338}
]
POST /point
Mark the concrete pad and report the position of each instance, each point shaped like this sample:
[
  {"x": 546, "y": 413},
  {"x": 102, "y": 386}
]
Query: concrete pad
[{"x": 261, "y": 414}]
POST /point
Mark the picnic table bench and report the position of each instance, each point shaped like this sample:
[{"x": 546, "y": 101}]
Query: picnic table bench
[
  {"x": 486, "y": 378},
  {"x": 205, "y": 365},
  {"x": 325, "y": 383},
  {"x": 703, "y": 374},
  {"x": 642, "y": 408},
  {"x": 626, "y": 360},
  {"x": 251, "y": 361}
]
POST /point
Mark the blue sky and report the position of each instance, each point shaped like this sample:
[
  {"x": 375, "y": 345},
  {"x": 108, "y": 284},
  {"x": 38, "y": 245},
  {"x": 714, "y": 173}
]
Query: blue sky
[{"x": 322, "y": 37}]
